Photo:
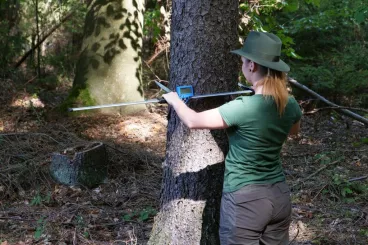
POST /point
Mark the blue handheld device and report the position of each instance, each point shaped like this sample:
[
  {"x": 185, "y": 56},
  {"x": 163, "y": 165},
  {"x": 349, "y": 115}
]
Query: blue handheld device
[{"x": 185, "y": 92}]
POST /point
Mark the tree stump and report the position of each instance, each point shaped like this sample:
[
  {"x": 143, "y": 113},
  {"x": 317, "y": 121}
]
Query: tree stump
[{"x": 80, "y": 165}]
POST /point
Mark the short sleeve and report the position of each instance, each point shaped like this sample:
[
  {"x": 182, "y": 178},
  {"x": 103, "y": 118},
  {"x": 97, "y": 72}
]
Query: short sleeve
[
  {"x": 298, "y": 111},
  {"x": 230, "y": 112}
]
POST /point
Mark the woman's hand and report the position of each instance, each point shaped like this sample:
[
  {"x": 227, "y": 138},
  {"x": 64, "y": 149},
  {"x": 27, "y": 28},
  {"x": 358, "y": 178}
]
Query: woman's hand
[
  {"x": 210, "y": 119},
  {"x": 172, "y": 98}
]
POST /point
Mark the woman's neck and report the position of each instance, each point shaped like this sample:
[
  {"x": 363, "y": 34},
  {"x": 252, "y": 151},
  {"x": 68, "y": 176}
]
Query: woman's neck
[{"x": 258, "y": 88}]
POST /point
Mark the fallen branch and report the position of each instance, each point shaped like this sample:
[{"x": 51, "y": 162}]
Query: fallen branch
[
  {"x": 315, "y": 173},
  {"x": 155, "y": 55},
  {"x": 28, "y": 133},
  {"x": 13, "y": 167},
  {"x": 17, "y": 218},
  {"x": 319, "y": 192},
  {"x": 358, "y": 178},
  {"x": 336, "y": 107}
]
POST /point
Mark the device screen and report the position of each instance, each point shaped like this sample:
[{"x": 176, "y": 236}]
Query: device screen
[{"x": 185, "y": 91}]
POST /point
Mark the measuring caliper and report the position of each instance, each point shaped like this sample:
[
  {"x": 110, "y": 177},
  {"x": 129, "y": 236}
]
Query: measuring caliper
[{"x": 185, "y": 92}]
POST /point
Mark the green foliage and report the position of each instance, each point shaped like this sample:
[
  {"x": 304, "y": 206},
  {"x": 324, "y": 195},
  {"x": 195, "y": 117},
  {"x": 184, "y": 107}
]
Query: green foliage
[
  {"x": 349, "y": 191},
  {"x": 41, "y": 222},
  {"x": 330, "y": 38},
  {"x": 11, "y": 45},
  {"x": 18, "y": 31},
  {"x": 140, "y": 215},
  {"x": 361, "y": 13},
  {"x": 152, "y": 22},
  {"x": 328, "y": 157},
  {"x": 341, "y": 189},
  {"x": 79, "y": 95},
  {"x": 361, "y": 142},
  {"x": 86, "y": 234},
  {"x": 262, "y": 16},
  {"x": 363, "y": 232},
  {"x": 38, "y": 199},
  {"x": 80, "y": 222}
]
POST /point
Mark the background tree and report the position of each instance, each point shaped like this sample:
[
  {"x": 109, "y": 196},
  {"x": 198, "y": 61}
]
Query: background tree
[
  {"x": 202, "y": 35},
  {"x": 11, "y": 40},
  {"x": 109, "y": 67}
]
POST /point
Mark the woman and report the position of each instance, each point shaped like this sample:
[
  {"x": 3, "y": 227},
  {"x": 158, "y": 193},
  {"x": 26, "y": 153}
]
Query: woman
[{"x": 255, "y": 205}]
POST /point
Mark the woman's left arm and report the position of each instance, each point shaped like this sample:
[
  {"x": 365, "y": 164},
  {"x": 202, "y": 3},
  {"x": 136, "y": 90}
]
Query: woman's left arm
[{"x": 210, "y": 119}]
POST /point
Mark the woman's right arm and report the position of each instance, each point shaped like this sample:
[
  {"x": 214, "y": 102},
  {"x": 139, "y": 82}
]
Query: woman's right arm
[
  {"x": 210, "y": 119},
  {"x": 295, "y": 128}
]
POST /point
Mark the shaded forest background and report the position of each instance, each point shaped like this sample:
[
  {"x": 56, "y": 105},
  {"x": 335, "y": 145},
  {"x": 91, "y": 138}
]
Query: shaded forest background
[{"x": 325, "y": 43}]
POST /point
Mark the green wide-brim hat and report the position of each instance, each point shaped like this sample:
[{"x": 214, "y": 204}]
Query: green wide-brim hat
[{"x": 265, "y": 49}]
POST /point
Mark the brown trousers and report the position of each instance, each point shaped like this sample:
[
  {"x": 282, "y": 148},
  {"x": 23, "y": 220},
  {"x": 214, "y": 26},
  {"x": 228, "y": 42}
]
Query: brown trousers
[{"x": 256, "y": 214}]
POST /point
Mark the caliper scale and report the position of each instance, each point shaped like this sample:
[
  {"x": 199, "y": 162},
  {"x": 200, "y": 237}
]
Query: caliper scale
[{"x": 185, "y": 92}]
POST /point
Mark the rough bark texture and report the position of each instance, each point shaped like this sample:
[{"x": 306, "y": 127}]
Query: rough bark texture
[
  {"x": 109, "y": 69},
  {"x": 83, "y": 165},
  {"x": 203, "y": 33}
]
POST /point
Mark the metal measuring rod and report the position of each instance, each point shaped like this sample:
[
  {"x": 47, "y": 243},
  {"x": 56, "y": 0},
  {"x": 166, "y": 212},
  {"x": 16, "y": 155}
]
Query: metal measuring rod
[{"x": 185, "y": 92}]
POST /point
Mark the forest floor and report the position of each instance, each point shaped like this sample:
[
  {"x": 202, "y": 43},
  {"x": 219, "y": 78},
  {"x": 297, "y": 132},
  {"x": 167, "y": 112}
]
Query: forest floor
[{"x": 329, "y": 205}]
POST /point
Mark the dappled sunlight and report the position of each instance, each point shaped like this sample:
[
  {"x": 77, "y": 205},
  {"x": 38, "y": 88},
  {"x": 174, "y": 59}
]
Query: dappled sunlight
[
  {"x": 27, "y": 101},
  {"x": 300, "y": 232},
  {"x": 183, "y": 212},
  {"x": 310, "y": 141},
  {"x": 141, "y": 129},
  {"x": 198, "y": 150}
]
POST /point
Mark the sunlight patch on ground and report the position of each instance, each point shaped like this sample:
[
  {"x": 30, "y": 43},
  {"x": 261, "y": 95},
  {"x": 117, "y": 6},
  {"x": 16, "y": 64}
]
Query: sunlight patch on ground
[
  {"x": 141, "y": 128},
  {"x": 27, "y": 101},
  {"x": 299, "y": 232},
  {"x": 309, "y": 141}
]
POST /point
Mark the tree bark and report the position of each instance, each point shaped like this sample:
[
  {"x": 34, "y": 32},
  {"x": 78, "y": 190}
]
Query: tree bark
[
  {"x": 202, "y": 35},
  {"x": 38, "y": 53},
  {"x": 336, "y": 107},
  {"x": 109, "y": 69}
]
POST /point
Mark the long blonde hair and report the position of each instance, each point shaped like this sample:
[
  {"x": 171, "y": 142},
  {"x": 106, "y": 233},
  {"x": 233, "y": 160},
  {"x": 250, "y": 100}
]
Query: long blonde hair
[{"x": 274, "y": 85}]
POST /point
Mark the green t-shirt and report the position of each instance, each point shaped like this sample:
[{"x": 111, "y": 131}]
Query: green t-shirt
[{"x": 256, "y": 133}]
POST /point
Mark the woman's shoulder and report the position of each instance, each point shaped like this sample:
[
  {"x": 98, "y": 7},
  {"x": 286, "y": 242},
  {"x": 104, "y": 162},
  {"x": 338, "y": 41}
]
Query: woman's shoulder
[{"x": 292, "y": 100}]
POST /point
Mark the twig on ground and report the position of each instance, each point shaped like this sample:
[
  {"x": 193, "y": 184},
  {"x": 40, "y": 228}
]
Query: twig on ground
[
  {"x": 18, "y": 219},
  {"x": 297, "y": 233},
  {"x": 319, "y": 192},
  {"x": 334, "y": 108},
  {"x": 28, "y": 133},
  {"x": 115, "y": 149},
  {"x": 358, "y": 178},
  {"x": 75, "y": 237},
  {"x": 315, "y": 173}
]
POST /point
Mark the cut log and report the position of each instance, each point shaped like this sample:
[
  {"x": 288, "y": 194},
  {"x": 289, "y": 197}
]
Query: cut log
[{"x": 84, "y": 165}]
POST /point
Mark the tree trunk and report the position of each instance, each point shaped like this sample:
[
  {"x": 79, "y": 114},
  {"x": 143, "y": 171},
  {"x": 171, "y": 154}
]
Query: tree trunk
[
  {"x": 203, "y": 33},
  {"x": 38, "y": 51},
  {"x": 109, "y": 67}
]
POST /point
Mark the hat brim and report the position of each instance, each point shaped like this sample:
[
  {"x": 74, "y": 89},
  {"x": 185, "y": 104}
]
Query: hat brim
[{"x": 278, "y": 66}]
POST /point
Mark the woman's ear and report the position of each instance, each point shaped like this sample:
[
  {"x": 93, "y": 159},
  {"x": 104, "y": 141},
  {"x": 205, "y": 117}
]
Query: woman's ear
[{"x": 254, "y": 66}]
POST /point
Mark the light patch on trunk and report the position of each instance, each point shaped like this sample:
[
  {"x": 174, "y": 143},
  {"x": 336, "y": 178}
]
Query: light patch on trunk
[
  {"x": 185, "y": 213},
  {"x": 194, "y": 143}
]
